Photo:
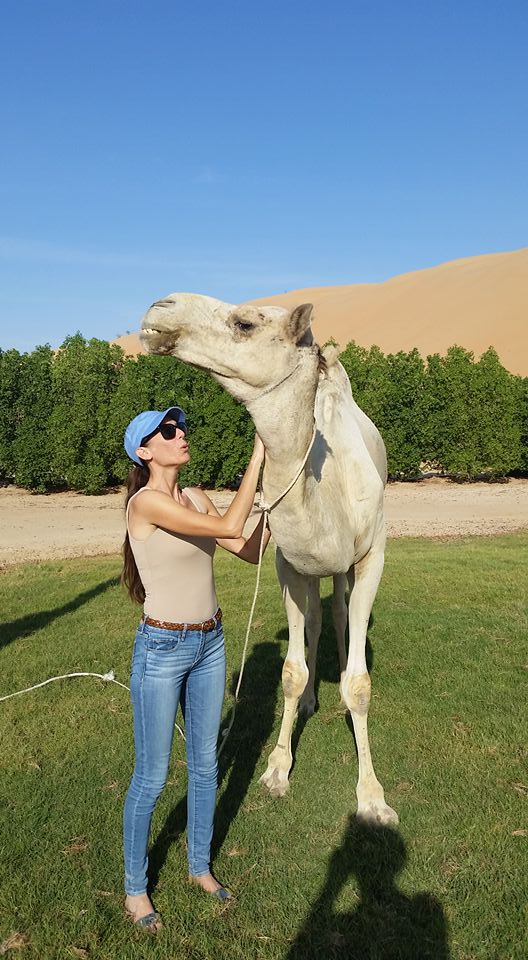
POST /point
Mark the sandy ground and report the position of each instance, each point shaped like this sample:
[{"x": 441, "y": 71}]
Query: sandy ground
[{"x": 60, "y": 525}]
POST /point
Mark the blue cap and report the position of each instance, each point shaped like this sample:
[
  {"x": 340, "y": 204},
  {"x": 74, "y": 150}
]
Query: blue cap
[{"x": 144, "y": 424}]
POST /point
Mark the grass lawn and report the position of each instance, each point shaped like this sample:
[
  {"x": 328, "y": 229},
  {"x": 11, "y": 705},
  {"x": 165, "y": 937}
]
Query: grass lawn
[{"x": 449, "y": 661}]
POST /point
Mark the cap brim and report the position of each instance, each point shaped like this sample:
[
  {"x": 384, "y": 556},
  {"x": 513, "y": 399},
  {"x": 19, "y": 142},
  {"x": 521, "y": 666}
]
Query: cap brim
[{"x": 180, "y": 415}]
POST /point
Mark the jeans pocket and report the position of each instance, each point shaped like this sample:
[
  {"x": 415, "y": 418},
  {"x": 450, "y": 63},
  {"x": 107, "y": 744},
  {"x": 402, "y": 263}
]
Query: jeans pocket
[{"x": 162, "y": 641}]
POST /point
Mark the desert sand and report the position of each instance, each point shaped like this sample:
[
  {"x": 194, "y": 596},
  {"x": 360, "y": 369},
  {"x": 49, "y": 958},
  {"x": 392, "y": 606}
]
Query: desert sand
[
  {"x": 61, "y": 525},
  {"x": 476, "y": 302}
]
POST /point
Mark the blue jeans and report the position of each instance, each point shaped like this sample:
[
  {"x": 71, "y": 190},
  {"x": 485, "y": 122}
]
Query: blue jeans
[{"x": 169, "y": 666}]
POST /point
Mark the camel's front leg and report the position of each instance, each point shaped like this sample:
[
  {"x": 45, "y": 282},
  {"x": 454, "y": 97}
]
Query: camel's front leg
[
  {"x": 294, "y": 676},
  {"x": 355, "y": 687}
]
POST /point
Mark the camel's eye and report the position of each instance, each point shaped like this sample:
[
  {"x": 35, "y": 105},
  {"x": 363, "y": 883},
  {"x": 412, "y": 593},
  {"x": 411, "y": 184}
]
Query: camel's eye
[{"x": 244, "y": 326}]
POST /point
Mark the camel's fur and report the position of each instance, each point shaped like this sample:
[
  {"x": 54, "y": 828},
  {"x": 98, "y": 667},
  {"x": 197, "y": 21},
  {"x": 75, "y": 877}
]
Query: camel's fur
[{"x": 331, "y": 522}]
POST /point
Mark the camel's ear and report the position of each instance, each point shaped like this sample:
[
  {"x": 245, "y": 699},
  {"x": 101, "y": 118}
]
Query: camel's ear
[{"x": 299, "y": 324}]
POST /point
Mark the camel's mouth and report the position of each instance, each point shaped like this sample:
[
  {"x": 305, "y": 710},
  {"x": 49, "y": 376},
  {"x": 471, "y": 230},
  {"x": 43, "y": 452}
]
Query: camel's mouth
[
  {"x": 158, "y": 341},
  {"x": 164, "y": 342}
]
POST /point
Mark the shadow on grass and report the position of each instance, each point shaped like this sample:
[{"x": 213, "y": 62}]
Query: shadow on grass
[
  {"x": 37, "y": 621},
  {"x": 384, "y": 923},
  {"x": 255, "y": 717},
  {"x": 254, "y": 721}
]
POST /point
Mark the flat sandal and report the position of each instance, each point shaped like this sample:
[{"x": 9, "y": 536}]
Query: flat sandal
[{"x": 150, "y": 923}]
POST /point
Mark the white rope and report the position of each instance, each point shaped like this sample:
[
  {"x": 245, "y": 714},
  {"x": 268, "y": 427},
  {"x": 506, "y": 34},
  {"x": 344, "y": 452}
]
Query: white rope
[
  {"x": 265, "y": 508},
  {"x": 275, "y": 385},
  {"x": 108, "y": 677},
  {"x": 227, "y": 731}
]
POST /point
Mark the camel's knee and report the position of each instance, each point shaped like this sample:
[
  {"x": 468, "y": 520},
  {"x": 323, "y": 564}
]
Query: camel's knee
[
  {"x": 294, "y": 678},
  {"x": 355, "y": 692}
]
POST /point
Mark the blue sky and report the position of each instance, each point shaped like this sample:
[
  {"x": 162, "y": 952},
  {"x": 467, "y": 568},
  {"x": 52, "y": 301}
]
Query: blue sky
[{"x": 241, "y": 149}]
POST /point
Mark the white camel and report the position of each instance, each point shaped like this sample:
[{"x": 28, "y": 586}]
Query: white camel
[{"x": 331, "y": 521}]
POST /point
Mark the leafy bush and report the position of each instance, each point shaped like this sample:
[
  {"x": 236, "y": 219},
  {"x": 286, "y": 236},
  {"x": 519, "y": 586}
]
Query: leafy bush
[
  {"x": 32, "y": 444},
  {"x": 10, "y": 385},
  {"x": 63, "y": 414},
  {"x": 451, "y": 413},
  {"x": 521, "y": 407},
  {"x": 471, "y": 414},
  {"x": 85, "y": 376}
]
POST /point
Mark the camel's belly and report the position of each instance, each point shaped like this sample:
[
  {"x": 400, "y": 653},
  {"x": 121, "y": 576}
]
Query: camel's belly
[
  {"x": 321, "y": 565},
  {"x": 317, "y": 551}
]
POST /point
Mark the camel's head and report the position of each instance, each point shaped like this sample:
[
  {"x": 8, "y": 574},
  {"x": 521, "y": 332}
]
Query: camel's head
[{"x": 247, "y": 348}]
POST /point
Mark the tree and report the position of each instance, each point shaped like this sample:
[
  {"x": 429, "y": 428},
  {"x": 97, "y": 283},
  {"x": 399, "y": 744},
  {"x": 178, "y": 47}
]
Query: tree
[
  {"x": 450, "y": 413},
  {"x": 85, "y": 376},
  {"x": 521, "y": 417},
  {"x": 221, "y": 437},
  {"x": 403, "y": 418},
  {"x": 32, "y": 446},
  {"x": 10, "y": 386},
  {"x": 498, "y": 426}
]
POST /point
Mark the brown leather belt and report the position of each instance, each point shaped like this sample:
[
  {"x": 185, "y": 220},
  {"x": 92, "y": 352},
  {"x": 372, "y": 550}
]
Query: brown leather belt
[{"x": 165, "y": 625}]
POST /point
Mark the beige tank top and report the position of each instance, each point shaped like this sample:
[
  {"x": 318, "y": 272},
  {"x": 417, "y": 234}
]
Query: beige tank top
[{"x": 176, "y": 572}]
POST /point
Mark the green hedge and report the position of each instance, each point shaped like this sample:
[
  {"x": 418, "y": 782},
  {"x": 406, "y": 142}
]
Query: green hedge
[{"x": 63, "y": 414}]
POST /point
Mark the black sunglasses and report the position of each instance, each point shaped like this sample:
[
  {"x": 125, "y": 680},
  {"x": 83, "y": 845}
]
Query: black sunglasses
[{"x": 167, "y": 430}]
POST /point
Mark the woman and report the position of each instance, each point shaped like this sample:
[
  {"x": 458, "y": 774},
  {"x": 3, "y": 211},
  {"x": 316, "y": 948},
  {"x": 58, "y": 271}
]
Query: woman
[{"x": 179, "y": 647}]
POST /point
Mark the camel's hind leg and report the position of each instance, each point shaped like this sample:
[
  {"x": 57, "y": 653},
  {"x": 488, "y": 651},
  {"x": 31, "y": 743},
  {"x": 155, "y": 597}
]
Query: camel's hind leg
[
  {"x": 355, "y": 686},
  {"x": 340, "y": 616},
  {"x": 294, "y": 675},
  {"x": 313, "y": 632}
]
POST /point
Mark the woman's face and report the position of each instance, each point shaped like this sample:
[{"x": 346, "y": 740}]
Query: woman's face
[{"x": 168, "y": 447}]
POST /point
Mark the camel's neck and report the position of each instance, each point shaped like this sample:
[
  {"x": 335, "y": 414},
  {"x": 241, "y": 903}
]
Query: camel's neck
[{"x": 284, "y": 418}]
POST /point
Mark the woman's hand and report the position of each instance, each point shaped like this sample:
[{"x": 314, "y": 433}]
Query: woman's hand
[{"x": 259, "y": 450}]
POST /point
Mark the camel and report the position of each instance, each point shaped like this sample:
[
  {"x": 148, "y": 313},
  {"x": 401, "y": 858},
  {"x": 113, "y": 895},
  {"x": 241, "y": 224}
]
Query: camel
[{"x": 331, "y": 521}]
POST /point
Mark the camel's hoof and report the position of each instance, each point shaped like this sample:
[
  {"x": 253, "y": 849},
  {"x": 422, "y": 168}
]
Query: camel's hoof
[
  {"x": 307, "y": 707},
  {"x": 276, "y": 781},
  {"x": 377, "y": 814}
]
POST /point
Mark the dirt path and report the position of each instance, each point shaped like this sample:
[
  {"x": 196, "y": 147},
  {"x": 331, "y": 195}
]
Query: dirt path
[{"x": 69, "y": 524}]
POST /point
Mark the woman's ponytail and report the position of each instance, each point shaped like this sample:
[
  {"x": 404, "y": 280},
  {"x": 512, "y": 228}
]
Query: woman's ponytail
[{"x": 137, "y": 478}]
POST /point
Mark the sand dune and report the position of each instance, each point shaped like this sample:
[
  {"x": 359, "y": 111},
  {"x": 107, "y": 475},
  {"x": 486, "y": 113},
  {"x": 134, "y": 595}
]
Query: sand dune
[{"x": 476, "y": 302}]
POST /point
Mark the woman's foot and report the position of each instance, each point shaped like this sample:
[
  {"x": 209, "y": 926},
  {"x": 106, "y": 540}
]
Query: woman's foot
[
  {"x": 140, "y": 910},
  {"x": 211, "y": 885}
]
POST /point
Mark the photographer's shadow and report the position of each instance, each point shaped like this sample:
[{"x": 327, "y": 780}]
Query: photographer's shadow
[{"x": 385, "y": 924}]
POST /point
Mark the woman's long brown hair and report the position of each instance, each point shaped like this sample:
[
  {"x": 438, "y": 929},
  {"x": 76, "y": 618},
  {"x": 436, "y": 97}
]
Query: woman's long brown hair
[{"x": 137, "y": 478}]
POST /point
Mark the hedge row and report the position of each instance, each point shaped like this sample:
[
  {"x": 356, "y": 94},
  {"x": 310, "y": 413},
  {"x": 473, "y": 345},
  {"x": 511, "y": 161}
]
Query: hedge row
[{"x": 63, "y": 415}]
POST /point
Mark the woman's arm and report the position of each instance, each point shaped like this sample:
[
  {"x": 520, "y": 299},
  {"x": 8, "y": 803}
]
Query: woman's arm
[
  {"x": 246, "y": 548},
  {"x": 161, "y": 510}
]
